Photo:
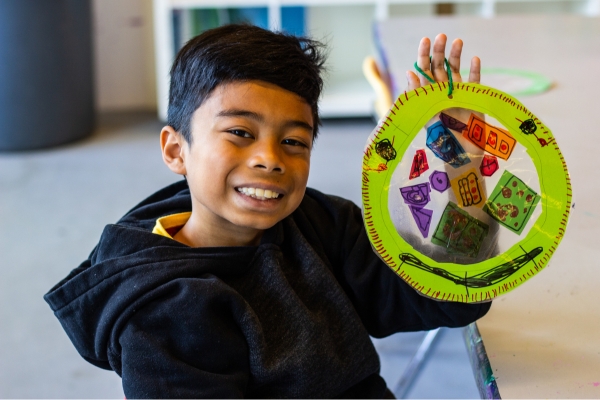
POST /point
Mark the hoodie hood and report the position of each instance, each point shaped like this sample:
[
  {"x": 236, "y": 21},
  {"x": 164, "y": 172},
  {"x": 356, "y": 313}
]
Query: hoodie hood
[{"x": 94, "y": 301}]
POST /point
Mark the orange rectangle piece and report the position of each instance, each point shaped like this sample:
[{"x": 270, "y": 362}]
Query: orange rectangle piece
[{"x": 494, "y": 140}]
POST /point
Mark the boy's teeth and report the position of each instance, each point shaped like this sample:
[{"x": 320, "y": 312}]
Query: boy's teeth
[{"x": 258, "y": 193}]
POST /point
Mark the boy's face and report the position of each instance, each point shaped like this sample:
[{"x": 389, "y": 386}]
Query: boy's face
[{"x": 248, "y": 164}]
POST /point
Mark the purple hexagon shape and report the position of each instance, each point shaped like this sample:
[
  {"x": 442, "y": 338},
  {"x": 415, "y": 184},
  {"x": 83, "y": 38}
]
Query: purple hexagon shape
[{"x": 439, "y": 181}]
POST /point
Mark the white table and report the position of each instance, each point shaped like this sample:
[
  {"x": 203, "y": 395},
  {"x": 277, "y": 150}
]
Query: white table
[{"x": 543, "y": 338}]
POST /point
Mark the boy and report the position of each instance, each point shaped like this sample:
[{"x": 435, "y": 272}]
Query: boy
[{"x": 239, "y": 281}]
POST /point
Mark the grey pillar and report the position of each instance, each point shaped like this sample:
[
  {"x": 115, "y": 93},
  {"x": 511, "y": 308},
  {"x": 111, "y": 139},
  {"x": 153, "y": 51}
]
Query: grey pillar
[{"x": 46, "y": 80}]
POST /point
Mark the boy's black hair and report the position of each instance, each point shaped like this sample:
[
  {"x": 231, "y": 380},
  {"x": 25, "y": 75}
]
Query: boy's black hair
[{"x": 242, "y": 53}]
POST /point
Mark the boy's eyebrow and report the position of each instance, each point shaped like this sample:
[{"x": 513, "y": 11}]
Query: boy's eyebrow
[
  {"x": 240, "y": 113},
  {"x": 259, "y": 118},
  {"x": 298, "y": 124}
]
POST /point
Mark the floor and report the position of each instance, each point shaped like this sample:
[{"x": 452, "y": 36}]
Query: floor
[{"x": 53, "y": 206}]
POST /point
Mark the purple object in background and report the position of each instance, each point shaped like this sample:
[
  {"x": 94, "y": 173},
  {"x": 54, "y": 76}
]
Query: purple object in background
[
  {"x": 416, "y": 195},
  {"x": 439, "y": 181},
  {"x": 423, "y": 219}
]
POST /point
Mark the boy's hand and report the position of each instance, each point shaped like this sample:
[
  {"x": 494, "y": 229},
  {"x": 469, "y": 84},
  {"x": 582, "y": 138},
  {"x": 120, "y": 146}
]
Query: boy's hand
[{"x": 435, "y": 68}]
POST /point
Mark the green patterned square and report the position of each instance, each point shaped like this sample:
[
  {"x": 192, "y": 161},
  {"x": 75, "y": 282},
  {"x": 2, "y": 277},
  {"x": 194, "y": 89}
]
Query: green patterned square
[
  {"x": 512, "y": 202},
  {"x": 459, "y": 232}
]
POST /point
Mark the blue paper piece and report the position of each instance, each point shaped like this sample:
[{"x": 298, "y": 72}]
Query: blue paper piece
[
  {"x": 445, "y": 146},
  {"x": 423, "y": 219},
  {"x": 416, "y": 195}
]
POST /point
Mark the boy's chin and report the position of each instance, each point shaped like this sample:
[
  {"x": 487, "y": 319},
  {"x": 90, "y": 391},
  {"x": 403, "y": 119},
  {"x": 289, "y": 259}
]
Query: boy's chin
[
  {"x": 260, "y": 220},
  {"x": 258, "y": 224}
]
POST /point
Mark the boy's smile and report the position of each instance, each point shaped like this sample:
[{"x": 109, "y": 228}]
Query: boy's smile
[{"x": 247, "y": 165}]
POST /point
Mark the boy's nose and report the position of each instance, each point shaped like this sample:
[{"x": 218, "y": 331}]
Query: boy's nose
[{"x": 267, "y": 156}]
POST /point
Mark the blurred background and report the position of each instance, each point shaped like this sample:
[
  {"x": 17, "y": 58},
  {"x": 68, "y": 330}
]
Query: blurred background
[{"x": 83, "y": 88}]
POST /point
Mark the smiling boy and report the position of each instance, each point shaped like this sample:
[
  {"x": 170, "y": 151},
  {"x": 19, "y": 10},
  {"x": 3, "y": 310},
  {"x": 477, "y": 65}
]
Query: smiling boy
[
  {"x": 239, "y": 281},
  {"x": 247, "y": 164}
]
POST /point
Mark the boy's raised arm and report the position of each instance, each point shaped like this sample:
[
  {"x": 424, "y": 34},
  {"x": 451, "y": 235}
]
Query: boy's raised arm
[{"x": 385, "y": 303}]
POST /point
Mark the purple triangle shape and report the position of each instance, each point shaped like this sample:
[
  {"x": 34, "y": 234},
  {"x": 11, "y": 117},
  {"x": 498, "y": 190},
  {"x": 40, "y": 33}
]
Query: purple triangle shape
[{"x": 423, "y": 219}]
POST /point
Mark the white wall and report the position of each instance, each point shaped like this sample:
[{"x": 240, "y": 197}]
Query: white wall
[
  {"x": 124, "y": 50},
  {"x": 526, "y": 7},
  {"x": 124, "y": 55},
  {"x": 347, "y": 30}
]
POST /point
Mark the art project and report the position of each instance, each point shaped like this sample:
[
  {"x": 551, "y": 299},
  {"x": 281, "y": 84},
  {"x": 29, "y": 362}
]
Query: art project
[{"x": 465, "y": 196}]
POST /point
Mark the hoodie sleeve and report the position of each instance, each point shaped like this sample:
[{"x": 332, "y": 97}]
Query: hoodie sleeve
[
  {"x": 185, "y": 343},
  {"x": 385, "y": 303}
]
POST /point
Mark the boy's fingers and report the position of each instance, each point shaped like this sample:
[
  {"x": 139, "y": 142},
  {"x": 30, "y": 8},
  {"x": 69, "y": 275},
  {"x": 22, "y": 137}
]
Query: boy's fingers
[
  {"x": 437, "y": 61},
  {"x": 423, "y": 60},
  {"x": 475, "y": 72},
  {"x": 454, "y": 59},
  {"x": 412, "y": 81}
]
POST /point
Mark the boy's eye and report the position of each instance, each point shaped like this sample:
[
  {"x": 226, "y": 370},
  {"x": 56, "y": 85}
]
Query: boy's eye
[
  {"x": 293, "y": 142},
  {"x": 240, "y": 133}
]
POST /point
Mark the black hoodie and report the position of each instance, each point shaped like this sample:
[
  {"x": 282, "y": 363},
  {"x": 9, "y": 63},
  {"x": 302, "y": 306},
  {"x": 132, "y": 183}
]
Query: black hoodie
[{"x": 288, "y": 318}]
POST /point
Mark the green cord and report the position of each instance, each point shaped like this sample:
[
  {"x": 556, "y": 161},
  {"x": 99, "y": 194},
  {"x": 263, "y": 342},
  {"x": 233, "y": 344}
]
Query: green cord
[{"x": 448, "y": 71}]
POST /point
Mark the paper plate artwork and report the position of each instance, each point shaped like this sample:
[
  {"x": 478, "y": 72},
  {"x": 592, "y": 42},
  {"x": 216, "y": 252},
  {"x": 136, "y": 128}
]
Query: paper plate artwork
[{"x": 466, "y": 196}]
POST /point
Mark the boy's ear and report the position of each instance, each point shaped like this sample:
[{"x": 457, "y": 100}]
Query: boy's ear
[{"x": 172, "y": 145}]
